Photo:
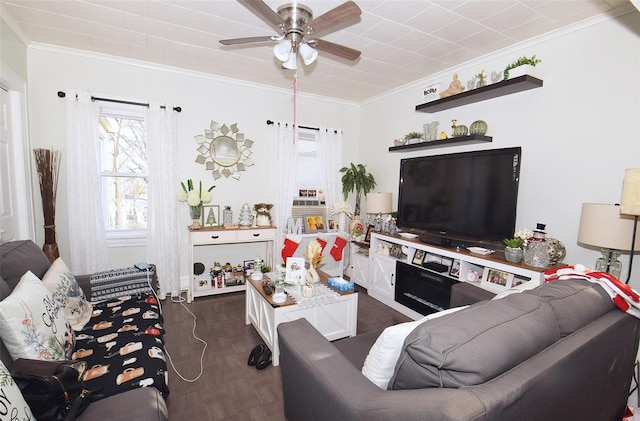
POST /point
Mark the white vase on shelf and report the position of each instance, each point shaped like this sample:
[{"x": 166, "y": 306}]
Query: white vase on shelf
[{"x": 342, "y": 222}]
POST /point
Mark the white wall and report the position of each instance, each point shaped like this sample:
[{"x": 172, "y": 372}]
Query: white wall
[
  {"x": 202, "y": 99},
  {"x": 578, "y": 133}
]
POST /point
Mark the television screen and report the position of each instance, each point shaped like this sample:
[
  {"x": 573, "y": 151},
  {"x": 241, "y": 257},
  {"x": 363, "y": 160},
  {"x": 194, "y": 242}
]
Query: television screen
[{"x": 469, "y": 194}]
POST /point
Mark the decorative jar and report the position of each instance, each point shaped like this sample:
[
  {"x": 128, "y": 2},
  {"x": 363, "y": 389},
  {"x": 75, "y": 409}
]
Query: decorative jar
[{"x": 537, "y": 253}]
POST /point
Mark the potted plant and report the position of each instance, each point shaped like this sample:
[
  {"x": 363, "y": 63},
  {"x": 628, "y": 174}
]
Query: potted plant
[
  {"x": 514, "y": 250},
  {"x": 522, "y": 61},
  {"x": 414, "y": 137},
  {"x": 356, "y": 178}
]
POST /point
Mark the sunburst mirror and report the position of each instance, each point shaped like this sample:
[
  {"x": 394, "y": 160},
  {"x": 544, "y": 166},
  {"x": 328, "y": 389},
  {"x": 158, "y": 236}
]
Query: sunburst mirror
[{"x": 224, "y": 150}]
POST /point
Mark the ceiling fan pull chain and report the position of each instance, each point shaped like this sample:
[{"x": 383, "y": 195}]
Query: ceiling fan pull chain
[{"x": 295, "y": 106}]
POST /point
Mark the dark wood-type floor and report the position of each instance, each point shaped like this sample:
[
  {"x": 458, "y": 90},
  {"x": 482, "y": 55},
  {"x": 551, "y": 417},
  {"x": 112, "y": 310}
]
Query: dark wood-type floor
[{"x": 228, "y": 388}]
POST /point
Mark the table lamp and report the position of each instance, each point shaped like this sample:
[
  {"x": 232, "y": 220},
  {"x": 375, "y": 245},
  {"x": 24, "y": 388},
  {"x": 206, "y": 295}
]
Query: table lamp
[
  {"x": 630, "y": 205},
  {"x": 377, "y": 204},
  {"x": 602, "y": 225}
]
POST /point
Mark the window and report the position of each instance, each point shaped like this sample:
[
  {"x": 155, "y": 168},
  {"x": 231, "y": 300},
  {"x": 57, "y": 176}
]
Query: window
[
  {"x": 308, "y": 173},
  {"x": 123, "y": 172}
]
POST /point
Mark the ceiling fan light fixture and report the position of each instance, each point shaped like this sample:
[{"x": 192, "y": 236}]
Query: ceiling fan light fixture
[
  {"x": 282, "y": 50},
  {"x": 308, "y": 53},
  {"x": 291, "y": 62}
]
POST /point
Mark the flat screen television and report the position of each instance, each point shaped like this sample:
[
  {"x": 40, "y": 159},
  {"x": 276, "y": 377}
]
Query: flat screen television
[{"x": 461, "y": 198}]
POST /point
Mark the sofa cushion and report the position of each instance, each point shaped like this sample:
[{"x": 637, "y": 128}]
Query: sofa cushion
[
  {"x": 12, "y": 403},
  {"x": 18, "y": 257},
  {"x": 476, "y": 344},
  {"x": 32, "y": 324},
  {"x": 68, "y": 294},
  {"x": 126, "y": 281},
  {"x": 383, "y": 355},
  {"x": 576, "y": 302}
]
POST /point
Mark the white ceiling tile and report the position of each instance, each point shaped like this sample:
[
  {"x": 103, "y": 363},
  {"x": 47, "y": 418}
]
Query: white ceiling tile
[
  {"x": 402, "y": 41},
  {"x": 460, "y": 29}
]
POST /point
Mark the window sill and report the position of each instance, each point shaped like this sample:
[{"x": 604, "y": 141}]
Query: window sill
[{"x": 127, "y": 238}]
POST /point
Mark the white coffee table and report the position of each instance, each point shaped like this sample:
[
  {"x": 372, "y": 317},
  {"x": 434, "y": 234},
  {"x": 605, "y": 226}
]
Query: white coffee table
[{"x": 335, "y": 320}]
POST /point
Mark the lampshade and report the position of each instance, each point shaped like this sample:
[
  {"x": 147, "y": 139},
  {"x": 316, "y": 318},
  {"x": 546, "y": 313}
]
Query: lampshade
[
  {"x": 282, "y": 49},
  {"x": 292, "y": 61},
  {"x": 308, "y": 53},
  {"x": 379, "y": 203},
  {"x": 630, "y": 203},
  {"x": 602, "y": 225}
]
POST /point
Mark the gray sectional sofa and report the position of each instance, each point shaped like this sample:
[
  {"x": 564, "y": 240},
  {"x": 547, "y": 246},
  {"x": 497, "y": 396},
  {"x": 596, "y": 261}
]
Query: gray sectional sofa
[
  {"x": 140, "y": 404},
  {"x": 561, "y": 351}
]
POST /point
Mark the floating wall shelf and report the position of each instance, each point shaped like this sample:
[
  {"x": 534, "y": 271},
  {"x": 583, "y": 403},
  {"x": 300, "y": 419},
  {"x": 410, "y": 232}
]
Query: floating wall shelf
[
  {"x": 445, "y": 142},
  {"x": 506, "y": 87}
]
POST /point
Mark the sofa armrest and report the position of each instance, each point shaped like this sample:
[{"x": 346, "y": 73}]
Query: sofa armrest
[{"x": 319, "y": 383}]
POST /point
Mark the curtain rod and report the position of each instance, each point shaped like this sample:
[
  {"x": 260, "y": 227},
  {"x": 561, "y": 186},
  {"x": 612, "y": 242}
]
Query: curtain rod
[
  {"x": 62, "y": 94},
  {"x": 269, "y": 122}
]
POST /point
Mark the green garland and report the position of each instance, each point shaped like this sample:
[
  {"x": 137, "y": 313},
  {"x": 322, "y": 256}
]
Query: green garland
[{"x": 521, "y": 62}]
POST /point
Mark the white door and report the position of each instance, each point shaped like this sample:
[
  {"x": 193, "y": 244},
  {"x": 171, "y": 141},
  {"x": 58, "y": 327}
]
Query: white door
[{"x": 15, "y": 209}]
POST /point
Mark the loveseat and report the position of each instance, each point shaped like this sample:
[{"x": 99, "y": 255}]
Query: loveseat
[
  {"x": 561, "y": 351},
  {"x": 126, "y": 398}
]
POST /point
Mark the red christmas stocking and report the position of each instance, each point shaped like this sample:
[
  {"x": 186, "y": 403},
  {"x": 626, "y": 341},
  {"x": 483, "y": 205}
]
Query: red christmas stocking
[
  {"x": 291, "y": 243},
  {"x": 322, "y": 243},
  {"x": 338, "y": 247}
]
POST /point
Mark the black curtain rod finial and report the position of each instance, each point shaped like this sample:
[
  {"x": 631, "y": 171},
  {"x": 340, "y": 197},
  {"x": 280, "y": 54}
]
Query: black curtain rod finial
[{"x": 61, "y": 94}]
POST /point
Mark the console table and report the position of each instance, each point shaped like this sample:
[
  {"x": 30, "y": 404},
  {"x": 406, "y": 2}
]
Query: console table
[
  {"x": 218, "y": 244},
  {"x": 335, "y": 319},
  {"x": 469, "y": 267}
]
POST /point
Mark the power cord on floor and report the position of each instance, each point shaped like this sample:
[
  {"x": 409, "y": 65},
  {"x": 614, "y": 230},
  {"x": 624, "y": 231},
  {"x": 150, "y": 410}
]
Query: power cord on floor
[{"x": 181, "y": 300}]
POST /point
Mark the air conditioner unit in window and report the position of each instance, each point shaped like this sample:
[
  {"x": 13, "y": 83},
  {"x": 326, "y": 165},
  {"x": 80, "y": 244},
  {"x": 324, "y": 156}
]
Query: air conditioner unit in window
[{"x": 302, "y": 207}]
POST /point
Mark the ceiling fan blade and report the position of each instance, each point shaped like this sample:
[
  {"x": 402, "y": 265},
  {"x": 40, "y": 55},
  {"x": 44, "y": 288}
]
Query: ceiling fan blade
[
  {"x": 261, "y": 9},
  {"x": 345, "y": 12},
  {"x": 336, "y": 49},
  {"x": 248, "y": 40}
]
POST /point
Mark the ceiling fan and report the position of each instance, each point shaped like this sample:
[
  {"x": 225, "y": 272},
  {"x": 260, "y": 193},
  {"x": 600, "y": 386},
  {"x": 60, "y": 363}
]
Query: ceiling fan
[{"x": 296, "y": 25}]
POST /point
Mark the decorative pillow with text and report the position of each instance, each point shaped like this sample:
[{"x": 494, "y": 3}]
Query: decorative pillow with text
[
  {"x": 12, "y": 403},
  {"x": 32, "y": 323},
  {"x": 68, "y": 294}
]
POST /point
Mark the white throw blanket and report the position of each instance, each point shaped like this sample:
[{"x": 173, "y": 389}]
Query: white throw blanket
[{"x": 624, "y": 297}]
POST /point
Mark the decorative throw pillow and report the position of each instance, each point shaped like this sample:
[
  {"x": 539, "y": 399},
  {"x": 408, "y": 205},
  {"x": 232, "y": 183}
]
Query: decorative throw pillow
[
  {"x": 32, "y": 323},
  {"x": 116, "y": 283},
  {"x": 68, "y": 294},
  {"x": 12, "y": 403},
  {"x": 381, "y": 360}
]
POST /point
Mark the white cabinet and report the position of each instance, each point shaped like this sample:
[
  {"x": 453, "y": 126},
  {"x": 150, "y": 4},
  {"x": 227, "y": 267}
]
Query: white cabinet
[
  {"x": 452, "y": 264},
  {"x": 383, "y": 273},
  {"x": 359, "y": 265},
  {"x": 210, "y": 245}
]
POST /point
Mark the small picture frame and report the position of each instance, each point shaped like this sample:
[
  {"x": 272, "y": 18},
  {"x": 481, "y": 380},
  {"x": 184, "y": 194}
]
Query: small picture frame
[
  {"x": 303, "y": 193},
  {"x": 454, "y": 272},
  {"x": 249, "y": 267},
  {"x": 332, "y": 225},
  {"x": 367, "y": 237},
  {"x": 314, "y": 223},
  {"x": 210, "y": 216},
  {"x": 495, "y": 278},
  {"x": 295, "y": 271},
  {"x": 418, "y": 257}
]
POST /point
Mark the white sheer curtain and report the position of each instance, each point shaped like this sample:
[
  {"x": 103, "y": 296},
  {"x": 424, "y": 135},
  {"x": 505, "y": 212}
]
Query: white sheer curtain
[
  {"x": 87, "y": 238},
  {"x": 162, "y": 219},
  {"x": 330, "y": 156},
  {"x": 283, "y": 158}
]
